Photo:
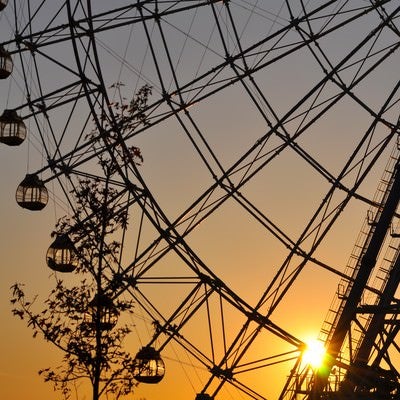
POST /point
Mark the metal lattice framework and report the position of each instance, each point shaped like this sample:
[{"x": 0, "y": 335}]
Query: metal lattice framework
[{"x": 266, "y": 131}]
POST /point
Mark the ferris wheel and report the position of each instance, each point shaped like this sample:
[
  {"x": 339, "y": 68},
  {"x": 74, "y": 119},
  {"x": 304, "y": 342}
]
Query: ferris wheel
[{"x": 247, "y": 140}]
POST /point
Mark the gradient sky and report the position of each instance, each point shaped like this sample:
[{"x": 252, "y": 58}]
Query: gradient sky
[{"x": 237, "y": 248}]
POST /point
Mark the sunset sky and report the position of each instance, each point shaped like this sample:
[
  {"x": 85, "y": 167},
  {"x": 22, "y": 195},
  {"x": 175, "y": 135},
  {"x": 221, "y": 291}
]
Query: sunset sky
[{"x": 222, "y": 129}]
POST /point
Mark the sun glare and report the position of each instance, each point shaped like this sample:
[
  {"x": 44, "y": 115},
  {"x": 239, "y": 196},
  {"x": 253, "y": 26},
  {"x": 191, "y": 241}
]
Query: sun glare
[{"x": 314, "y": 353}]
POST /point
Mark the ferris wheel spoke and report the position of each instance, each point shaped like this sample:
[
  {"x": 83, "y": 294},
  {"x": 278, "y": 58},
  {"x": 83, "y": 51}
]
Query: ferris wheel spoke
[
  {"x": 263, "y": 217},
  {"x": 174, "y": 329},
  {"x": 181, "y": 88},
  {"x": 175, "y": 240},
  {"x": 204, "y": 273},
  {"x": 295, "y": 248}
]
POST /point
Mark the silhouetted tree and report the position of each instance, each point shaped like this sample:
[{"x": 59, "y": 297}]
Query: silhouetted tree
[{"x": 81, "y": 318}]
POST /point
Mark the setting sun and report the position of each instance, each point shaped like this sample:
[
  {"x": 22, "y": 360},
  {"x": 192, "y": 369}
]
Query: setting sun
[{"x": 314, "y": 353}]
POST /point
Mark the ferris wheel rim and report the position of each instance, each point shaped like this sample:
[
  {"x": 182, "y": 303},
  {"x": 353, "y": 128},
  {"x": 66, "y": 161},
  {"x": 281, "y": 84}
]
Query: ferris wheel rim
[{"x": 220, "y": 182}]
